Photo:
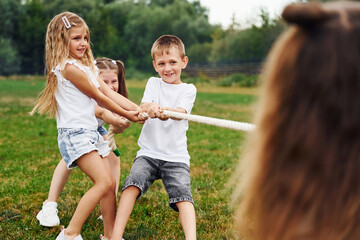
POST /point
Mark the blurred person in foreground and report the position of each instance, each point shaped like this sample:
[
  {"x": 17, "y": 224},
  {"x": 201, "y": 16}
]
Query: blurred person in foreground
[{"x": 300, "y": 175}]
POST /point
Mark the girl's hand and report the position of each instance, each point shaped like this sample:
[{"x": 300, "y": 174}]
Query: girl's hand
[
  {"x": 120, "y": 124},
  {"x": 133, "y": 116},
  {"x": 143, "y": 116},
  {"x": 136, "y": 116}
]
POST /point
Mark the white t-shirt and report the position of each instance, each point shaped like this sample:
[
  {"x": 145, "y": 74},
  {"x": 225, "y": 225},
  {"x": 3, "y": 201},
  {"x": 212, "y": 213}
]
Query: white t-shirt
[
  {"x": 166, "y": 140},
  {"x": 75, "y": 109}
]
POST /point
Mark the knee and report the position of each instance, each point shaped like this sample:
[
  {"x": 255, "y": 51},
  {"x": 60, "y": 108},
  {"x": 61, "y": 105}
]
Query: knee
[{"x": 108, "y": 183}]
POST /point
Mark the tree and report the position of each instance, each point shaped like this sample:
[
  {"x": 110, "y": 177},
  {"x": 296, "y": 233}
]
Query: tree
[
  {"x": 11, "y": 10},
  {"x": 146, "y": 23},
  {"x": 247, "y": 44},
  {"x": 107, "y": 29},
  {"x": 80, "y": 7},
  {"x": 30, "y": 38},
  {"x": 9, "y": 59}
]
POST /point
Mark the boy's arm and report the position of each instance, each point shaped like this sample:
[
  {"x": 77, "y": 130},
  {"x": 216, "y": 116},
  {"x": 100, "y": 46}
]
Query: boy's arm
[{"x": 82, "y": 82}]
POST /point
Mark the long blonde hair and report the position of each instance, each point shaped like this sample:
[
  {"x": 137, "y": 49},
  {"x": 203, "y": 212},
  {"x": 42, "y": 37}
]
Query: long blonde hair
[
  {"x": 301, "y": 171},
  {"x": 56, "y": 52}
]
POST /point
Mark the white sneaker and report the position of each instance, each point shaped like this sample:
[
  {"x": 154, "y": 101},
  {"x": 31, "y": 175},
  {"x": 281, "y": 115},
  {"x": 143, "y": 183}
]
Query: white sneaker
[
  {"x": 48, "y": 215},
  {"x": 62, "y": 236}
]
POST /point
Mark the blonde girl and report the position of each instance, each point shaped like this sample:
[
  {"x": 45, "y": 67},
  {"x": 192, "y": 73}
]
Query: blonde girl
[
  {"x": 302, "y": 172},
  {"x": 72, "y": 88},
  {"x": 113, "y": 74}
]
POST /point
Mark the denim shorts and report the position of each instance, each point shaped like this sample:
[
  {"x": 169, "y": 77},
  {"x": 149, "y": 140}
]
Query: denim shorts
[
  {"x": 102, "y": 130},
  {"x": 174, "y": 175},
  {"x": 73, "y": 143}
]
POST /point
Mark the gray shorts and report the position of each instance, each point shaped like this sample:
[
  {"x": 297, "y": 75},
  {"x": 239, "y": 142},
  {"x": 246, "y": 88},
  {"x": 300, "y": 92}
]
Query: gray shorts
[
  {"x": 73, "y": 143},
  {"x": 174, "y": 175}
]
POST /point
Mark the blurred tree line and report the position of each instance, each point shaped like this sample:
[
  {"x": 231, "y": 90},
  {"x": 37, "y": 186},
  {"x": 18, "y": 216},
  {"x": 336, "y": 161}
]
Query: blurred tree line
[{"x": 126, "y": 29}]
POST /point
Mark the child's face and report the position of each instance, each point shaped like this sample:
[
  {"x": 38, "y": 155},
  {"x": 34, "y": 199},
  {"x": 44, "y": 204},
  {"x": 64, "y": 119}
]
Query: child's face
[
  {"x": 111, "y": 79},
  {"x": 169, "y": 65},
  {"x": 79, "y": 42}
]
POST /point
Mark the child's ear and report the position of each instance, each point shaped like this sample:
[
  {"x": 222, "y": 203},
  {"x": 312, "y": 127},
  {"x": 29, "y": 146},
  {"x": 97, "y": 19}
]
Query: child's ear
[
  {"x": 154, "y": 65},
  {"x": 185, "y": 61}
]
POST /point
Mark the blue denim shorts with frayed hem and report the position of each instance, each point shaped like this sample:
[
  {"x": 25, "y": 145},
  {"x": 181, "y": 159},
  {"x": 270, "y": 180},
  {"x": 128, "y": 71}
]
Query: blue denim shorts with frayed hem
[
  {"x": 102, "y": 130},
  {"x": 74, "y": 143},
  {"x": 174, "y": 175}
]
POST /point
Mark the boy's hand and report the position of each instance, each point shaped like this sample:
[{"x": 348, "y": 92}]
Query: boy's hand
[
  {"x": 153, "y": 110},
  {"x": 161, "y": 115}
]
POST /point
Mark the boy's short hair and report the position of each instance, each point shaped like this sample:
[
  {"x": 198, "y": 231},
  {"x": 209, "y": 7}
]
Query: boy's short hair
[{"x": 164, "y": 43}]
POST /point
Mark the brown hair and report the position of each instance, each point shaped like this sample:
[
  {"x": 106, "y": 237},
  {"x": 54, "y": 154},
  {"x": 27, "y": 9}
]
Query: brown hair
[
  {"x": 118, "y": 66},
  {"x": 56, "y": 52},
  {"x": 164, "y": 43},
  {"x": 300, "y": 175}
]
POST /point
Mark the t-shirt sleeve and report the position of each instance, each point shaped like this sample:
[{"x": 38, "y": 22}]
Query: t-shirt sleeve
[
  {"x": 149, "y": 91},
  {"x": 187, "y": 99}
]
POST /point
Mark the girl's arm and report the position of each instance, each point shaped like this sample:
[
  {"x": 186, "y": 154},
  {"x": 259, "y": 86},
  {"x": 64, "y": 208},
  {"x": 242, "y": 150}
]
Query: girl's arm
[
  {"x": 117, "y": 98},
  {"x": 119, "y": 123},
  {"x": 83, "y": 83}
]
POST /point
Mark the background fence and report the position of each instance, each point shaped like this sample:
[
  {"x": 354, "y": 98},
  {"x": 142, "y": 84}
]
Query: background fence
[{"x": 217, "y": 70}]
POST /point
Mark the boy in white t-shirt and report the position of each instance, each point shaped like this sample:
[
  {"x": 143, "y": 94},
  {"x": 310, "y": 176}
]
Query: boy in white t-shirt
[{"x": 163, "y": 150}]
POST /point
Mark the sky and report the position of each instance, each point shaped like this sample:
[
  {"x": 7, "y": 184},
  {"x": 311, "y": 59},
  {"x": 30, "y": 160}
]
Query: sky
[{"x": 222, "y": 11}]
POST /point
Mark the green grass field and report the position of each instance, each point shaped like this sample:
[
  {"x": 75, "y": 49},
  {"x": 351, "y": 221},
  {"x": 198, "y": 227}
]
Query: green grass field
[{"x": 29, "y": 154}]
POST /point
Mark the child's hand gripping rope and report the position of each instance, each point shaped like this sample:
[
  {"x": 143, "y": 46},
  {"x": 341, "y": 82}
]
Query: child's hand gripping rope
[{"x": 112, "y": 131}]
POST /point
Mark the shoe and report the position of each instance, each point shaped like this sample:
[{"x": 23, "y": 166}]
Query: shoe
[
  {"x": 48, "y": 215},
  {"x": 62, "y": 236}
]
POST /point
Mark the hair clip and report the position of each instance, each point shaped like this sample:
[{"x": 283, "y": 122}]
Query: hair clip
[
  {"x": 66, "y": 22},
  {"x": 113, "y": 61}
]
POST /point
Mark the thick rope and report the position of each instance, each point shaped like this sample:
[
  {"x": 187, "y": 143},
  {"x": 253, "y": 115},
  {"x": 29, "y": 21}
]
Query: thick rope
[
  {"x": 111, "y": 140},
  {"x": 240, "y": 126}
]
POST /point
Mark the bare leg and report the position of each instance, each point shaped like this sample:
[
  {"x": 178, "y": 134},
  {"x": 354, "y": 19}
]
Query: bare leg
[
  {"x": 115, "y": 169},
  {"x": 108, "y": 205},
  {"x": 187, "y": 219},
  {"x": 126, "y": 205},
  {"x": 58, "y": 181},
  {"x": 93, "y": 166},
  {"x": 115, "y": 166}
]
